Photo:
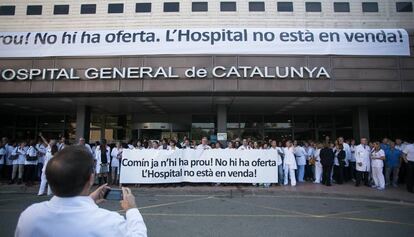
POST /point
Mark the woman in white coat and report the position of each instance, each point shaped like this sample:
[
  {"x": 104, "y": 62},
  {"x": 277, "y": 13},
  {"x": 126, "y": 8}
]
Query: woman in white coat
[
  {"x": 289, "y": 164},
  {"x": 102, "y": 162},
  {"x": 377, "y": 164},
  {"x": 116, "y": 155},
  {"x": 318, "y": 165}
]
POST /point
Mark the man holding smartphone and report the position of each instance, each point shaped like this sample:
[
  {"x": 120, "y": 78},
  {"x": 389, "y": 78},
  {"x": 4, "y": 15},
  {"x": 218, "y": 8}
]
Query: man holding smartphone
[{"x": 73, "y": 211}]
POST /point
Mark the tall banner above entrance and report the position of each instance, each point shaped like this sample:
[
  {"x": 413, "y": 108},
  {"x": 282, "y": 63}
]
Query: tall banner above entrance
[
  {"x": 188, "y": 165},
  {"x": 205, "y": 41}
]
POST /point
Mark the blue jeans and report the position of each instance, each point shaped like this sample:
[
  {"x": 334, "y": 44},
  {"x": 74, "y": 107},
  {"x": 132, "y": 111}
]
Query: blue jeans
[
  {"x": 280, "y": 174},
  {"x": 300, "y": 173}
]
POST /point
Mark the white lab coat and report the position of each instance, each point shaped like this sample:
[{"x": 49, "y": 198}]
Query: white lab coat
[
  {"x": 115, "y": 159},
  {"x": 22, "y": 155},
  {"x": 242, "y": 148},
  {"x": 289, "y": 161},
  {"x": 2, "y": 155},
  {"x": 77, "y": 216},
  {"x": 277, "y": 150},
  {"x": 363, "y": 155},
  {"x": 31, "y": 152},
  {"x": 318, "y": 166},
  {"x": 9, "y": 152},
  {"x": 203, "y": 147},
  {"x": 98, "y": 157},
  {"x": 300, "y": 154},
  {"x": 43, "y": 180},
  {"x": 41, "y": 149},
  {"x": 348, "y": 154}
]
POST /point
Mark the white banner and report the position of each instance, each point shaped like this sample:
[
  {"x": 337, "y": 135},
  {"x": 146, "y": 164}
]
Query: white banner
[
  {"x": 187, "y": 165},
  {"x": 269, "y": 41}
]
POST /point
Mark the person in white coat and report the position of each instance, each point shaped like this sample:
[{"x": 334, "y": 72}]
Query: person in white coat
[
  {"x": 244, "y": 146},
  {"x": 73, "y": 211},
  {"x": 204, "y": 144},
  {"x": 318, "y": 165},
  {"x": 277, "y": 151},
  {"x": 116, "y": 155},
  {"x": 300, "y": 155},
  {"x": 289, "y": 164},
  {"x": 102, "y": 157},
  {"x": 41, "y": 153},
  {"x": 377, "y": 164},
  {"x": 30, "y": 163},
  {"x": 18, "y": 163},
  {"x": 51, "y": 150},
  {"x": 363, "y": 164}
]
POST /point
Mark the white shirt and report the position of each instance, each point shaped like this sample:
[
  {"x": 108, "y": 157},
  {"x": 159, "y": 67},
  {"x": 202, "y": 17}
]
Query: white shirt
[
  {"x": 409, "y": 151},
  {"x": 31, "y": 152},
  {"x": 310, "y": 152},
  {"x": 362, "y": 155},
  {"x": 352, "y": 148},
  {"x": 375, "y": 162},
  {"x": 77, "y": 216},
  {"x": 318, "y": 158},
  {"x": 203, "y": 147}
]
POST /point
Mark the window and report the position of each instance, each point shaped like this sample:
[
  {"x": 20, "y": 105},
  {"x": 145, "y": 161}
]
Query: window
[
  {"x": 171, "y": 6},
  {"x": 369, "y": 7},
  {"x": 256, "y": 6},
  {"x": 199, "y": 6},
  {"x": 404, "y": 6},
  {"x": 341, "y": 6},
  {"x": 7, "y": 10},
  {"x": 228, "y": 6},
  {"x": 115, "y": 8},
  {"x": 285, "y": 6},
  {"x": 143, "y": 7},
  {"x": 61, "y": 10},
  {"x": 313, "y": 6},
  {"x": 88, "y": 8},
  {"x": 34, "y": 10}
]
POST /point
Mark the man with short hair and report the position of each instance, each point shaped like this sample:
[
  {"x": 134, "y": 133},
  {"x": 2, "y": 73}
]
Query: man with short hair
[
  {"x": 72, "y": 212},
  {"x": 363, "y": 162},
  {"x": 204, "y": 144}
]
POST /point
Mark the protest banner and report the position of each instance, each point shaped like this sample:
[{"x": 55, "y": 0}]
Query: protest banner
[
  {"x": 188, "y": 165},
  {"x": 240, "y": 41}
]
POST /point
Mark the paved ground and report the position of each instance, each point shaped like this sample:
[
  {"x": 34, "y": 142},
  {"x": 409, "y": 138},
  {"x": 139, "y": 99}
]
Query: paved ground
[{"x": 305, "y": 210}]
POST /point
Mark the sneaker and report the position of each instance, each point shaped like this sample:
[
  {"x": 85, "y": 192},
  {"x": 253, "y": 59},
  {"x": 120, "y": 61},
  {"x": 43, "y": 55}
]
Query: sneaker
[
  {"x": 374, "y": 186},
  {"x": 379, "y": 188}
]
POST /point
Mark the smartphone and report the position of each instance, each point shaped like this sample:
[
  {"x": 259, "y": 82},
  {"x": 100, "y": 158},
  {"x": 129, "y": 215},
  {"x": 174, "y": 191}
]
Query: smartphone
[{"x": 113, "y": 194}]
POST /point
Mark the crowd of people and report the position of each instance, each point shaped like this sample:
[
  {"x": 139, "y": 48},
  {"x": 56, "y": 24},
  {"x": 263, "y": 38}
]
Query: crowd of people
[{"x": 374, "y": 164}]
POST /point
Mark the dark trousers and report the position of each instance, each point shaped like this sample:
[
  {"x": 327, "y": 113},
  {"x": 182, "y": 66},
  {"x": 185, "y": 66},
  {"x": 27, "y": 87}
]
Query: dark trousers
[
  {"x": 410, "y": 176},
  {"x": 351, "y": 170},
  {"x": 326, "y": 174},
  {"x": 30, "y": 173},
  {"x": 362, "y": 176},
  {"x": 339, "y": 174},
  {"x": 9, "y": 171},
  {"x": 309, "y": 171}
]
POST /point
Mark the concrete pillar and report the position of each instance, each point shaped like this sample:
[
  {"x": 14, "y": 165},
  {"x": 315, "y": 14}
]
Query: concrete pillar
[
  {"x": 360, "y": 122},
  {"x": 221, "y": 118},
  {"x": 83, "y": 120}
]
